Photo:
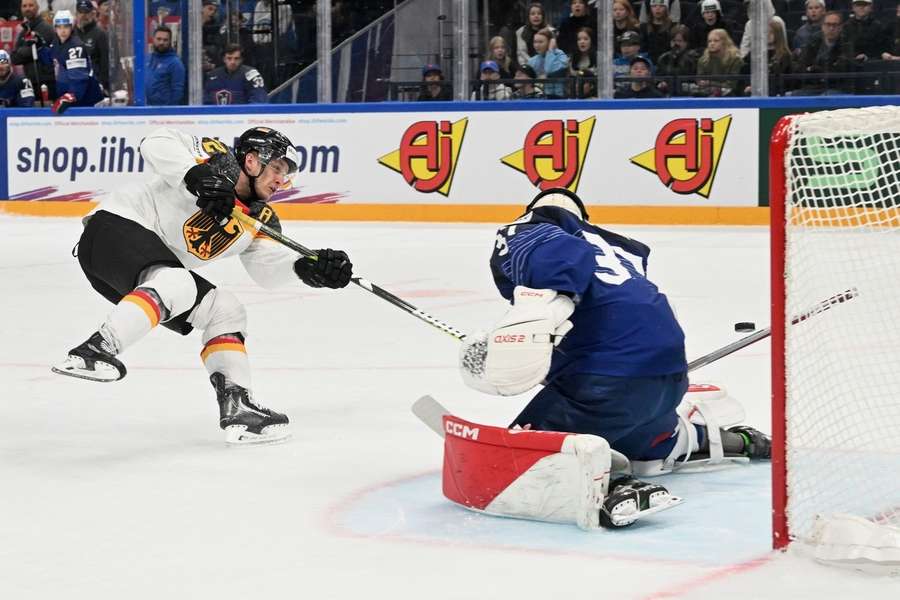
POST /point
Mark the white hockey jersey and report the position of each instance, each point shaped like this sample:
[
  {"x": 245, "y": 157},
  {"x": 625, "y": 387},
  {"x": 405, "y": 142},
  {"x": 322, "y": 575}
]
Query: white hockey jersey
[{"x": 163, "y": 205}]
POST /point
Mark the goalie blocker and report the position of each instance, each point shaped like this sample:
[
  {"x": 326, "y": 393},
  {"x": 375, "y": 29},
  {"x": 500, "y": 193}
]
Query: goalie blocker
[{"x": 542, "y": 475}]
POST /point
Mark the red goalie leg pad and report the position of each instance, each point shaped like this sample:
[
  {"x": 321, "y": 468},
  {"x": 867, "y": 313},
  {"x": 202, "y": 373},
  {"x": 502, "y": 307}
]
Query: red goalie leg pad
[{"x": 481, "y": 461}]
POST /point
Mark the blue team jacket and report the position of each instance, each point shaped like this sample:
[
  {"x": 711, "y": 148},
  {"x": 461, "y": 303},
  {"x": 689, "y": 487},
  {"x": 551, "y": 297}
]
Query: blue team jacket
[
  {"x": 244, "y": 86},
  {"x": 623, "y": 325},
  {"x": 164, "y": 80}
]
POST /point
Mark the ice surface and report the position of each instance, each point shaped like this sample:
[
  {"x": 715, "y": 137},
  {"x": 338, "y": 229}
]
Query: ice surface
[{"x": 126, "y": 490}]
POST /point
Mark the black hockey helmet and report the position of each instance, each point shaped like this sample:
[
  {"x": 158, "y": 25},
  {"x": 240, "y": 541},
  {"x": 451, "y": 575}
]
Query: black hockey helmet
[
  {"x": 561, "y": 198},
  {"x": 269, "y": 145}
]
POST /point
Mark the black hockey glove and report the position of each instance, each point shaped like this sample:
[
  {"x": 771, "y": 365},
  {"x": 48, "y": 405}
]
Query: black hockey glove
[
  {"x": 213, "y": 188},
  {"x": 331, "y": 269}
]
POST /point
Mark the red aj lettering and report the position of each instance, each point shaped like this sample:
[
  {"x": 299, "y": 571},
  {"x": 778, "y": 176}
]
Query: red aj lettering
[
  {"x": 562, "y": 152},
  {"x": 437, "y": 152},
  {"x": 694, "y": 146}
]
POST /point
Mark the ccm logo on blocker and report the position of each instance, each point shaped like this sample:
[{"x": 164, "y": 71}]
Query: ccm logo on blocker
[{"x": 460, "y": 430}]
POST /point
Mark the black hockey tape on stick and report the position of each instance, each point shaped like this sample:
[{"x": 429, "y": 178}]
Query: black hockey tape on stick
[
  {"x": 361, "y": 282},
  {"x": 764, "y": 333}
]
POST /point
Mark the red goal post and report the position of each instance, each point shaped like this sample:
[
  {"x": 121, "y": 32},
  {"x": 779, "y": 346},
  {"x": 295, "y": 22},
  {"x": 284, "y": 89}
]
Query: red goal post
[{"x": 834, "y": 190}]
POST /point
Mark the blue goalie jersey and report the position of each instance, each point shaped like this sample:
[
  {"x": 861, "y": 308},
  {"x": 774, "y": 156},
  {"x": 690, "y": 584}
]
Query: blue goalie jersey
[{"x": 622, "y": 325}]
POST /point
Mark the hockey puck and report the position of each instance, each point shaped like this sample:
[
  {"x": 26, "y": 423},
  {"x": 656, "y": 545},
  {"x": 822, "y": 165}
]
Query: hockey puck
[{"x": 744, "y": 327}]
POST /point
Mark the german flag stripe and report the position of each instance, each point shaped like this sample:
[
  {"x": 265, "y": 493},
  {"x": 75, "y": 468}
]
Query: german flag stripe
[
  {"x": 146, "y": 303},
  {"x": 222, "y": 344}
]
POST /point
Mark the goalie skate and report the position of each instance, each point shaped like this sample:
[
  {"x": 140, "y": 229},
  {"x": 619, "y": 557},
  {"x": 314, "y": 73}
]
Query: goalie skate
[
  {"x": 630, "y": 499},
  {"x": 244, "y": 421},
  {"x": 93, "y": 361}
]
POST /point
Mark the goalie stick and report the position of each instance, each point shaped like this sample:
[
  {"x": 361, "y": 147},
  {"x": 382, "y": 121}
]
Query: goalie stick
[{"x": 361, "y": 282}]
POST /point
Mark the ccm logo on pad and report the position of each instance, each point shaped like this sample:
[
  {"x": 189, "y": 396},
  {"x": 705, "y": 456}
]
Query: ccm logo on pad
[
  {"x": 509, "y": 339},
  {"x": 460, "y": 430}
]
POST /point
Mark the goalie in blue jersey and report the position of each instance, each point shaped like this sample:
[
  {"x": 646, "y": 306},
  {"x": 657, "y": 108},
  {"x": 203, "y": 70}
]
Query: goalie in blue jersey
[{"x": 587, "y": 323}]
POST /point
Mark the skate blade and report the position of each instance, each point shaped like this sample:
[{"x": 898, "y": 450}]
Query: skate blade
[
  {"x": 629, "y": 514},
  {"x": 75, "y": 368},
  {"x": 237, "y": 435}
]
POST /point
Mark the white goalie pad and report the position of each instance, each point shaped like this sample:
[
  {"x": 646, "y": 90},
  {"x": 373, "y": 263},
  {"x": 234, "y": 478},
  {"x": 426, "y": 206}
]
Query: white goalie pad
[
  {"x": 538, "y": 475},
  {"x": 516, "y": 355},
  {"x": 703, "y": 404}
]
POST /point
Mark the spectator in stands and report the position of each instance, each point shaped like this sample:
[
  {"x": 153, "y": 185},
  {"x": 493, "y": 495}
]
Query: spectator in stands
[
  {"x": 488, "y": 87},
  {"x": 36, "y": 33},
  {"x": 498, "y": 51},
  {"x": 630, "y": 46},
  {"x": 815, "y": 11},
  {"x": 213, "y": 40},
  {"x": 525, "y": 88},
  {"x": 721, "y": 57},
  {"x": 656, "y": 33},
  {"x": 165, "y": 72},
  {"x": 827, "y": 53},
  {"x": 769, "y": 11},
  {"x": 433, "y": 85},
  {"x": 640, "y": 88},
  {"x": 234, "y": 82},
  {"x": 15, "y": 90},
  {"x": 869, "y": 37},
  {"x": 779, "y": 57},
  {"x": 525, "y": 34},
  {"x": 623, "y": 20},
  {"x": 549, "y": 63},
  {"x": 583, "y": 65},
  {"x": 711, "y": 18},
  {"x": 680, "y": 61},
  {"x": 94, "y": 39},
  {"x": 579, "y": 18}
]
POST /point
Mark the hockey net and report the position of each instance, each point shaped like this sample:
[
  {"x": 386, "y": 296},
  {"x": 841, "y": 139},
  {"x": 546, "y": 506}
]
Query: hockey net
[{"x": 835, "y": 202}]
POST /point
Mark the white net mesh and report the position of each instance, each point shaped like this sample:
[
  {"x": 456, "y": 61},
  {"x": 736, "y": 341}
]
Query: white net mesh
[{"x": 843, "y": 366}]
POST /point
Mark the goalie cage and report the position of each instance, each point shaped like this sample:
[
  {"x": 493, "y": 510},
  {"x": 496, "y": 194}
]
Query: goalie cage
[{"x": 835, "y": 217}]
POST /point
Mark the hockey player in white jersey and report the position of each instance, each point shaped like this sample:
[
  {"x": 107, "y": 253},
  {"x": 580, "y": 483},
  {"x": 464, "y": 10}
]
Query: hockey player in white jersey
[{"x": 139, "y": 246}]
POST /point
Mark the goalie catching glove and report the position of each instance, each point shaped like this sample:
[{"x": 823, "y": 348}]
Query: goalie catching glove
[{"x": 516, "y": 355}]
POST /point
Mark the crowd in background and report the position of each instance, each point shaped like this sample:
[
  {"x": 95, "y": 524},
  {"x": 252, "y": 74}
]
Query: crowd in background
[
  {"x": 662, "y": 48},
  {"x": 239, "y": 46},
  {"x": 686, "y": 48}
]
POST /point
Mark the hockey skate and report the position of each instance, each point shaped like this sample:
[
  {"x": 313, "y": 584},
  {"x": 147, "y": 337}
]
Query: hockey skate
[
  {"x": 93, "y": 360},
  {"x": 244, "y": 421},
  {"x": 630, "y": 499}
]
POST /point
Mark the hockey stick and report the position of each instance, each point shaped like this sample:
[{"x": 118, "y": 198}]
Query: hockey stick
[
  {"x": 361, "y": 282},
  {"x": 459, "y": 335},
  {"x": 764, "y": 333}
]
